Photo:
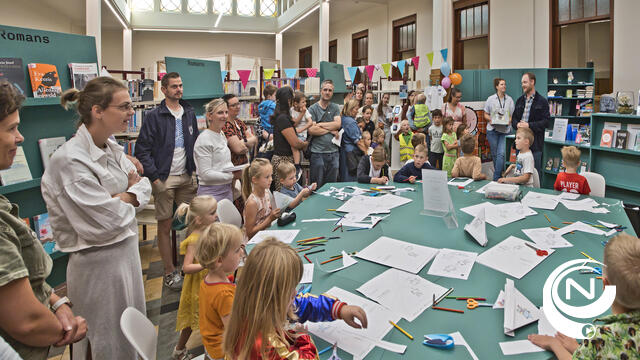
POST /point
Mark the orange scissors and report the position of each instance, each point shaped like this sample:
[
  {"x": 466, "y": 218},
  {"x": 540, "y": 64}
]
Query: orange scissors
[{"x": 472, "y": 304}]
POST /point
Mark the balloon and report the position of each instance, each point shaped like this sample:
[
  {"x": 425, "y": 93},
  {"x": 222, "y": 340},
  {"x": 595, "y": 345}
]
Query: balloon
[
  {"x": 446, "y": 82},
  {"x": 456, "y": 79},
  {"x": 445, "y": 69}
]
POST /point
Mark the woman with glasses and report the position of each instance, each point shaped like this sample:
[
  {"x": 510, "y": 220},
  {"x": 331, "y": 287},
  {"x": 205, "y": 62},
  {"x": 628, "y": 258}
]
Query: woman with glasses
[
  {"x": 92, "y": 192},
  {"x": 454, "y": 108}
]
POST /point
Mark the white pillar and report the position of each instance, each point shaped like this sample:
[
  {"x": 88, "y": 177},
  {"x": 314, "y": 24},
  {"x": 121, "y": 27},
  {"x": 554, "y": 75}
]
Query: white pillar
[
  {"x": 127, "y": 49},
  {"x": 94, "y": 25},
  {"x": 279, "y": 49},
  {"x": 442, "y": 35},
  {"x": 323, "y": 39}
]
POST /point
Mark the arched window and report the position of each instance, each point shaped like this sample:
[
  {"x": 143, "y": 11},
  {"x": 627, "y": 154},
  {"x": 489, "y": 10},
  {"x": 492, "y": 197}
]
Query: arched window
[
  {"x": 171, "y": 5},
  {"x": 197, "y": 6},
  {"x": 142, "y": 5},
  {"x": 268, "y": 7},
  {"x": 222, "y": 7},
  {"x": 246, "y": 7}
]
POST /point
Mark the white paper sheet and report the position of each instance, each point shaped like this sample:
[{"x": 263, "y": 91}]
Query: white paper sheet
[
  {"x": 580, "y": 226},
  {"x": 307, "y": 275},
  {"x": 519, "y": 347},
  {"x": 455, "y": 264},
  {"x": 587, "y": 204},
  {"x": 460, "y": 181},
  {"x": 512, "y": 257},
  {"x": 609, "y": 225},
  {"x": 346, "y": 262},
  {"x": 477, "y": 228},
  {"x": 481, "y": 190},
  {"x": 338, "y": 140},
  {"x": 547, "y": 238},
  {"x": 286, "y": 236},
  {"x": 435, "y": 194},
  {"x": 458, "y": 339},
  {"x": 544, "y": 326},
  {"x": 404, "y": 293},
  {"x": 499, "y": 304},
  {"x": 320, "y": 220},
  {"x": 499, "y": 215},
  {"x": 391, "y": 201},
  {"x": 398, "y": 254},
  {"x": 235, "y": 168},
  {"x": 568, "y": 196},
  {"x": 518, "y": 310},
  {"x": 540, "y": 201},
  {"x": 372, "y": 204},
  {"x": 282, "y": 200}
]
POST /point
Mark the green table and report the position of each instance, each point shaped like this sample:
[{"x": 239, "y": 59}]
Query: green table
[{"x": 482, "y": 328}]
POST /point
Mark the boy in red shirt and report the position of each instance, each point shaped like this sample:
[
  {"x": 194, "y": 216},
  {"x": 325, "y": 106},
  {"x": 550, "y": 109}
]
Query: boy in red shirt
[{"x": 569, "y": 180}]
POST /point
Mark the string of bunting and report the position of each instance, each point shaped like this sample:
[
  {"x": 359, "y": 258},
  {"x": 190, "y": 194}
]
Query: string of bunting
[{"x": 291, "y": 73}]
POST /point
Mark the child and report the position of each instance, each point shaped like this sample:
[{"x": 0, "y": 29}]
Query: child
[
  {"x": 360, "y": 122},
  {"x": 374, "y": 169},
  {"x": 618, "y": 336},
  {"x": 265, "y": 110},
  {"x": 258, "y": 212},
  {"x": 287, "y": 175},
  {"x": 199, "y": 214},
  {"x": 302, "y": 122},
  {"x": 418, "y": 139},
  {"x": 449, "y": 144},
  {"x": 369, "y": 126},
  {"x": 468, "y": 165},
  {"x": 436, "y": 150},
  {"x": 413, "y": 171},
  {"x": 461, "y": 131},
  {"x": 266, "y": 303},
  {"x": 404, "y": 136},
  {"x": 220, "y": 251},
  {"x": 377, "y": 138},
  {"x": 524, "y": 167},
  {"x": 569, "y": 180},
  {"x": 366, "y": 140},
  {"x": 418, "y": 115}
]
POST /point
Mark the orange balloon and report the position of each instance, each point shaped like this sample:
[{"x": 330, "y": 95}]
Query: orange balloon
[{"x": 456, "y": 79}]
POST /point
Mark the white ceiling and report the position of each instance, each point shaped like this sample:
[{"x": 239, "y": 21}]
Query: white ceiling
[{"x": 76, "y": 11}]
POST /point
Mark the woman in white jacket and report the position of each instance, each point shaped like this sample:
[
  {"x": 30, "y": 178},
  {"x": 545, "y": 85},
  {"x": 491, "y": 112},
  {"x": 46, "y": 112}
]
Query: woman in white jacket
[
  {"x": 212, "y": 155},
  {"x": 92, "y": 192}
]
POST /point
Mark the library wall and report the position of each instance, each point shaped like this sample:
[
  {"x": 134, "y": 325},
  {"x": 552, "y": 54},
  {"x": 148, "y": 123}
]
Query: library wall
[
  {"x": 36, "y": 15},
  {"x": 625, "y": 45},
  {"x": 112, "y": 49},
  {"x": 573, "y": 45}
]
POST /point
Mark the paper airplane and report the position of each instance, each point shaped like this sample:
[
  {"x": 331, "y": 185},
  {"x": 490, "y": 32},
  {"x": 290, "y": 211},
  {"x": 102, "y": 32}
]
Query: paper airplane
[
  {"x": 518, "y": 310},
  {"x": 478, "y": 228}
]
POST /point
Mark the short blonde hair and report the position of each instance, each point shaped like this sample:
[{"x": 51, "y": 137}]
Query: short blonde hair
[
  {"x": 377, "y": 132},
  {"x": 526, "y": 133},
  {"x": 420, "y": 148},
  {"x": 622, "y": 269},
  {"x": 467, "y": 144},
  {"x": 405, "y": 121},
  {"x": 349, "y": 106},
  {"x": 199, "y": 206},
  {"x": 420, "y": 98},
  {"x": 215, "y": 241},
  {"x": 570, "y": 156},
  {"x": 284, "y": 169},
  {"x": 379, "y": 154}
]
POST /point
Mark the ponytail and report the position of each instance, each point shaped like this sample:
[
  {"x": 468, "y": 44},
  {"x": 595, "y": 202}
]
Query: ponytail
[
  {"x": 249, "y": 173},
  {"x": 199, "y": 206}
]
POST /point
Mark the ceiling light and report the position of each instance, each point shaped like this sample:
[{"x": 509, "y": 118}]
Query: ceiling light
[
  {"x": 116, "y": 13},
  {"x": 300, "y": 18}
]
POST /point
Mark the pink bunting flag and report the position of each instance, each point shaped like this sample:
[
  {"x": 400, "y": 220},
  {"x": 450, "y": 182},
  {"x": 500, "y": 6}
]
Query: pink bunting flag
[
  {"x": 244, "y": 77},
  {"x": 415, "y": 61},
  {"x": 370, "y": 69},
  {"x": 311, "y": 72}
]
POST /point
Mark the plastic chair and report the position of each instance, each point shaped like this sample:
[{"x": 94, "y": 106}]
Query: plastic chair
[
  {"x": 536, "y": 179},
  {"x": 596, "y": 183},
  {"x": 228, "y": 213},
  {"x": 140, "y": 332}
]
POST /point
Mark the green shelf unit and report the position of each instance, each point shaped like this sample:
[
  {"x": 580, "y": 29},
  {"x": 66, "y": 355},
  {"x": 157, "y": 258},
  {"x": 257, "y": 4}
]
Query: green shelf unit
[
  {"x": 567, "y": 143},
  {"x": 477, "y": 85},
  {"x": 200, "y": 78},
  {"x": 8, "y": 189},
  {"x": 569, "y": 85},
  {"x": 568, "y": 98},
  {"x": 619, "y": 151},
  {"x": 570, "y": 117}
]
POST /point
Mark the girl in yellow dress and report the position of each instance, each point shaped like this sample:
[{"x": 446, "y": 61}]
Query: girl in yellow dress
[{"x": 200, "y": 213}]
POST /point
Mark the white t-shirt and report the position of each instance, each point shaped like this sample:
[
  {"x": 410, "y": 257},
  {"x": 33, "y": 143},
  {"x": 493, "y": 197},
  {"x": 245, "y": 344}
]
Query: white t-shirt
[
  {"x": 179, "y": 161},
  {"x": 303, "y": 122},
  {"x": 494, "y": 106},
  {"x": 372, "y": 171},
  {"x": 525, "y": 165}
]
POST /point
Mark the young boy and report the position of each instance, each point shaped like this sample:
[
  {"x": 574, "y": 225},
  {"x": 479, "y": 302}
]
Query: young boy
[
  {"x": 418, "y": 115},
  {"x": 525, "y": 165},
  {"x": 569, "y": 180},
  {"x": 287, "y": 176},
  {"x": 413, "y": 171},
  {"x": 404, "y": 136},
  {"x": 468, "y": 165},
  {"x": 419, "y": 139},
  {"x": 619, "y": 335},
  {"x": 436, "y": 152},
  {"x": 266, "y": 109}
]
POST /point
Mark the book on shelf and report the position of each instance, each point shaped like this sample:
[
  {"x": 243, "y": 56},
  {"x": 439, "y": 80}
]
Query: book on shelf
[
  {"x": 48, "y": 146},
  {"x": 141, "y": 89},
  {"x": 556, "y": 164},
  {"x": 12, "y": 70},
  {"x": 310, "y": 85},
  {"x": 512, "y": 156},
  {"x": 584, "y": 134},
  {"x": 636, "y": 147},
  {"x": 128, "y": 145},
  {"x": 549, "y": 165},
  {"x": 45, "y": 81},
  {"x": 148, "y": 86},
  {"x": 202, "y": 122},
  {"x": 82, "y": 73},
  {"x": 607, "y": 137},
  {"x": 584, "y": 167},
  {"x": 555, "y": 108},
  {"x": 560, "y": 129},
  {"x": 248, "y": 110},
  {"x": 634, "y": 130},
  {"x": 621, "y": 139},
  {"x": 43, "y": 227},
  {"x": 252, "y": 88},
  {"x": 19, "y": 170},
  {"x": 569, "y": 93}
]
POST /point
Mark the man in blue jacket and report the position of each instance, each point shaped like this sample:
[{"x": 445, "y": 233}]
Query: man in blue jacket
[{"x": 165, "y": 149}]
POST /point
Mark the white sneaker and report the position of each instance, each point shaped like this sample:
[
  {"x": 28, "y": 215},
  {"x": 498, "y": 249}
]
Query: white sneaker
[
  {"x": 173, "y": 281},
  {"x": 181, "y": 354}
]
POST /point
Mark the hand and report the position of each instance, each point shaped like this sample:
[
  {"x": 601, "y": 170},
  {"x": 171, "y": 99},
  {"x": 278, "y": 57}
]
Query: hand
[
  {"x": 502, "y": 180},
  {"x": 385, "y": 180},
  {"x": 237, "y": 174},
  {"x": 349, "y": 313},
  {"x": 412, "y": 179},
  {"x": 313, "y": 187},
  {"x": 133, "y": 178},
  {"x": 569, "y": 343},
  {"x": 523, "y": 124},
  {"x": 305, "y": 192},
  {"x": 275, "y": 213},
  {"x": 136, "y": 163},
  {"x": 74, "y": 327},
  {"x": 544, "y": 341},
  {"x": 303, "y": 109}
]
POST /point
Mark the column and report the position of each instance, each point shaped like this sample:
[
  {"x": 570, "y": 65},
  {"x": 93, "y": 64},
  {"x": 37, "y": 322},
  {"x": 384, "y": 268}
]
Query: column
[
  {"x": 127, "y": 49},
  {"x": 279, "y": 49},
  {"x": 94, "y": 24},
  {"x": 323, "y": 39}
]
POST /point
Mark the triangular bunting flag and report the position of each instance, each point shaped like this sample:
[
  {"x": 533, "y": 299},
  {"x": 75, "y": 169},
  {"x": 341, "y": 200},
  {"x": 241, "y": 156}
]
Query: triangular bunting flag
[
  {"x": 444, "y": 53},
  {"x": 361, "y": 68},
  {"x": 378, "y": 67},
  {"x": 268, "y": 73},
  {"x": 370, "y": 69},
  {"x": 290, "y": 73},
  {"x": 394, "y": 63},
  {"x": 430, "y": 58},
  {"x": 416, "y": 61},
  {"x": 386, "y": 68},
  {"x": 400, "y": 65},
  {"x": 409, "y": 61},
  {"x": 244, "y": 76},
  {"x": 352, "y": 72},
  {"x": 311, "y": 72},
  {"x": 223, "y": 74}
]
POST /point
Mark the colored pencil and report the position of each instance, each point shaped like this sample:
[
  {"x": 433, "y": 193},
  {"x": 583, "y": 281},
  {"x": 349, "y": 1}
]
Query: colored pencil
[
  {"x": 467, "y": 298},
  {"x": 333, "y": 237},
  {"x": 315, "y": 242},
  {"x": 305, "y": 249},
  {"x": 311, "y": 239},
  {"x": 354, "y": 229},
  {"x": 314, "y": 252},
  {"x": 328, "y": 261},
  {"x": 340, "y": 255},
  {"x": 336, "y": 228},
  {"x": 331, "y": 209},
  {"x": 448, "y": 292},
  {"x": 587, "y": 256},
  {"x": 325, "y": 350},
  {"x": 447, "y": 309},
  {"x": 545, "y": 215},
  {"x": 305, "y": 256},
  {"x": 401, "y": 329}
]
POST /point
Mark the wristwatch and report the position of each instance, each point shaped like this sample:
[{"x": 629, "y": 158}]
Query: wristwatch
[{"x": 60, "y": 302}]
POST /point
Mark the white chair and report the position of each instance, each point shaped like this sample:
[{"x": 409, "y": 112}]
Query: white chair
[
  {"x": 596, "y": 183},
  {"x": 140, "y": 332},
  {"x": 536, "y": 179},
  {"x": 228, "y": 214}
]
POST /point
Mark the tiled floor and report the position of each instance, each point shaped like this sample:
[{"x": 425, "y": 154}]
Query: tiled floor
[{"x": 162, "y": 303}]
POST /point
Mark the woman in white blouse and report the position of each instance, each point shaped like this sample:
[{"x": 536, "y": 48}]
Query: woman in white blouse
[
  {"x": 212, "y": 155},
  {"x": 92, "y": 193}
]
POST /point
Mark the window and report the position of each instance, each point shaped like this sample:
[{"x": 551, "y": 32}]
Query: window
[
  {"x": 404, "y": 42},
  {"x": 360, "y": 53},
  {"x": 246, "y": 7},
  {"x": 268, "y": 7},
  {"x": 471, "y": 35},
  {"x": 576, "y": 10},
  {"x": 197, "y": 6},
  {"x": 333, "y": 51},
  {"x": 222, "y": 7},
  {"x": 142, "y": 5},
  {"x": 171, "y": 5}
]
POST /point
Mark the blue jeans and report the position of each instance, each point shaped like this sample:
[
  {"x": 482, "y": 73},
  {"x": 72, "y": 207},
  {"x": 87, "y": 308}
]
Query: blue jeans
[
  {"x": 537, "y": 158},
  {"x": 323, "y": 167},
  {"x": 497, "y": 146}
]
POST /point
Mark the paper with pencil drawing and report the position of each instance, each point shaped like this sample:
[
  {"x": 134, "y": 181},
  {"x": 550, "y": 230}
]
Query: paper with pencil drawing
[
  {"x": 286, "y": 236},
  {"x": 547, "y": 238},
  {"x": 346, "y": 262},
  {"x": 587, "y": 204},
  {"x": 499, "y": 215},
  {"x": 404, "y": 293},
  {"x": 580, "y": 226},
  {"x": 372, "y": 204},
  {"x": 477, "y": 228},
  {"x": 518, "y": 310},
  {"x": 398, "y": 254},
  {"x": 540, "y": 201},
  {"x": 512, "y": 257},
  {"x": 519, "y": 347},
  {"x": 307, "y": 274},
  {"x": 453, "y": 264},
  {"x": 460, "y": 181}
]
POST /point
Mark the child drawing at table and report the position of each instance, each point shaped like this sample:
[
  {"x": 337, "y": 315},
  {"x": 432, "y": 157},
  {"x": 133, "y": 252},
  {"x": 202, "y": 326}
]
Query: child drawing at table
[
  {"x": 287, "y": 176},
  {"x": 258, "y": 209}
]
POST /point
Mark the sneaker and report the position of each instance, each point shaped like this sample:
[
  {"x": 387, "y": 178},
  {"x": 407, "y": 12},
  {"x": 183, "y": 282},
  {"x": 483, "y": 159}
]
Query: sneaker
[
  {"x": 181, "y": 354},
  {"x": 173, "y": 281}
]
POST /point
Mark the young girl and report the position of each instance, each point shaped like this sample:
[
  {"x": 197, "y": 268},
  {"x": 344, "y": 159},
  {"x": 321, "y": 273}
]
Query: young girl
[
  {"x": 199, "y": 214},
  {"x": 450, "y": 145},
  {"x": 266, "y": 302},
  {"x": 302, "y": 121},
  {"x": 369, "y": 126},
  {"x": 374, "y": 169},
  {"x": 258, "y": 211},
  {"x": 220, "y": 251}
]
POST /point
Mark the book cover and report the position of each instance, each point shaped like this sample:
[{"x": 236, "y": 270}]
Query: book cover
[
  {"x": 549, "y": 165},
  {"x": 11, "y": 70},
  {"x": 512, "y": 156},
  {"x": 583, "y": 167},
  {"x": 45, "y": 81},
  {"x": 42, "y": 227},
  {"x": 82, "y": 73},
  {"x": 19, "y": 170},
  {"x": 569, "y": 93},
  {"x": 556, "y": 164},
  {"x": 621, "y": 139},
  {"x": 147, "y": 89},
  {"x": 633, "y": 130},
  {"x": 607, "y": 137},
  {"x": 48, "y": 146}
]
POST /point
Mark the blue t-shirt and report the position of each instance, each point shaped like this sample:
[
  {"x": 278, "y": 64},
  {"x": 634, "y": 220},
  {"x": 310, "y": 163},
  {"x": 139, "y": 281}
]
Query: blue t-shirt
[
  {"x": 292, "y": 192},
  {"x": 266, "y": 109},
  {"x": 322, "y": 144}
]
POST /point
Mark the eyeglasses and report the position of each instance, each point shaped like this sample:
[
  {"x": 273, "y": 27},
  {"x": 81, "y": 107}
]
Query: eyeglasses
[{"x": 123, "y": 107}]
